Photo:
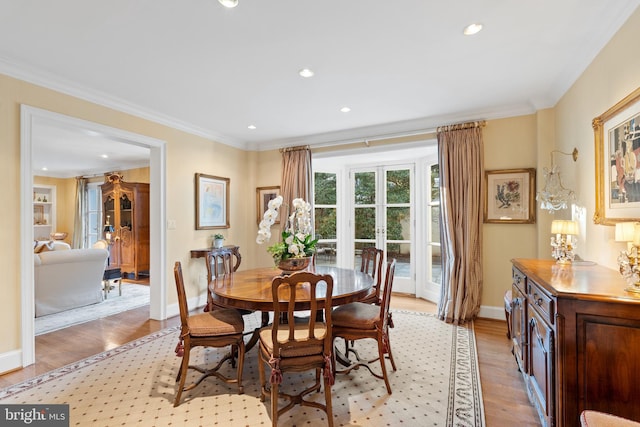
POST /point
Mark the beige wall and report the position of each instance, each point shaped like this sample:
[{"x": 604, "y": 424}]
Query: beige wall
[
  {"x": 611, "y": 76},
  {"x": 508, "y": 144}
]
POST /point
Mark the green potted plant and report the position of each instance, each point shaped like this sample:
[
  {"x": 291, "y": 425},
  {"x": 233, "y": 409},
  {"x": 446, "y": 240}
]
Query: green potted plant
[{"x": 218, "y": 240}]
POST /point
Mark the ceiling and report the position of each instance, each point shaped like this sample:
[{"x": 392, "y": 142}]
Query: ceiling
[{"x": 401, "y": 66}]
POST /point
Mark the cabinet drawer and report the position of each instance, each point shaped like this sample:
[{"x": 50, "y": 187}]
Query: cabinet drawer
[
  {"x": 542, "y": 302},
  {"x": 519, "y": 280}
]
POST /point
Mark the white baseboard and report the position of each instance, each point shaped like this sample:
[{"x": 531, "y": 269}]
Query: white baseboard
[
  {"x": 11, "y": 360},
  {"x": 490, "y": 312},
  {"x": 192, "y": 303}
]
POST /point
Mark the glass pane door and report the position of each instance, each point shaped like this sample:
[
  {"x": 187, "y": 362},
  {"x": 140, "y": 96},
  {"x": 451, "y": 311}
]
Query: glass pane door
[{"x": 383, "y": 217}]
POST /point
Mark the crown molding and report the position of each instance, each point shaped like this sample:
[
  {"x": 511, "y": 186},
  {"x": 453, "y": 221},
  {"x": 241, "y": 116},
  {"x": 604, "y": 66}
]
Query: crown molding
[
  {"x": 51, "y": 81},
  {"x": 420, "y": 126}
]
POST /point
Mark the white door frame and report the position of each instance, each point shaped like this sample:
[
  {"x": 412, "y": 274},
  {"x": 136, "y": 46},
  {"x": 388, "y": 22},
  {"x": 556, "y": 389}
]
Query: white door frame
[{"x": 29, "y": 119}]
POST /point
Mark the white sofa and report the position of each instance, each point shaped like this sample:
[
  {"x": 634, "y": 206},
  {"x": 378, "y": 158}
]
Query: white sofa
[{"x": 67, "y": 278}]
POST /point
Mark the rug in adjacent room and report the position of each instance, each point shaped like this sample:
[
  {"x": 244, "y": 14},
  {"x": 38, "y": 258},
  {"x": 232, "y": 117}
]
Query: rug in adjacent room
[
  {"x": 133, "y": 296},
  {"x": 437, "y": 384}
]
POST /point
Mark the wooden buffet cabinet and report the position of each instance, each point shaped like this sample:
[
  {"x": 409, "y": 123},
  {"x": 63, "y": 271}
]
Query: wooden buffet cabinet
[
  {"x": 127, "y": 206},
  {"x": 576, "y": 340}
]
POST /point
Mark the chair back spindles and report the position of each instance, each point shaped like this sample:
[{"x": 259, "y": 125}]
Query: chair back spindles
[{"x": 372, "y": 265}]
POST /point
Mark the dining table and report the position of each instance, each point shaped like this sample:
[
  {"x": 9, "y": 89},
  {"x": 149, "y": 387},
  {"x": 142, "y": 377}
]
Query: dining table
[{"x": 251, "y": 289}]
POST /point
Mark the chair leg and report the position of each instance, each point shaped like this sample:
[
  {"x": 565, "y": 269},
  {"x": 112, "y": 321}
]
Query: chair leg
[
  {"x": 241, "y": 350},
  {"x": 274, "y": 405},
  {"x": 383, "y": 365},
  {"x": 182, "y": 374},
  {"x": 263, "y": 383},
  {"x": 390, "y": 355},
  {"x": 327, "y": 399}
]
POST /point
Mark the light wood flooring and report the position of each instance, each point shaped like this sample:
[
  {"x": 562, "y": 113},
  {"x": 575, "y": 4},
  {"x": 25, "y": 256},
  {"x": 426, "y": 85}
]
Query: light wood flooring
[{"x": 505, "y": 399}]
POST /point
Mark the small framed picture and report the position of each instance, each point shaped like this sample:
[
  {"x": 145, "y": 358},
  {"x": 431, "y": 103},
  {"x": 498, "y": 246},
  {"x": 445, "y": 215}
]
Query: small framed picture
[
  {"x": 212, "y": 202},
  {"x": 263, "y": 195},
  {"x": 510, "y": 196}
]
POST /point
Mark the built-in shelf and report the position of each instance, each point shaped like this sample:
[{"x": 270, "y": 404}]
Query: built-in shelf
[{"x": 44, "y": 211}]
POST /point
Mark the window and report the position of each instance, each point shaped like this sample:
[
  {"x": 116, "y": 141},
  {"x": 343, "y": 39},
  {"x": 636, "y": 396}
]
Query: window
[
  {"x": 325, "y": 211},
  {"x": 93, "y": 215}
]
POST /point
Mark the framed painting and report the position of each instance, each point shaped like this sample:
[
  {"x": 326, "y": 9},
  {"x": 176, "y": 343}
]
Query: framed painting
[
  {"x": 263, "y": 195},
  {"x": 510, "y": 196},
  {"x": 212, "y": 202},
  {"x": 617, "y": 147}
]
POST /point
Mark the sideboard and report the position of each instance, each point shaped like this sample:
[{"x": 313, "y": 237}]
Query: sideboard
[{"x": 576, "y": 340}]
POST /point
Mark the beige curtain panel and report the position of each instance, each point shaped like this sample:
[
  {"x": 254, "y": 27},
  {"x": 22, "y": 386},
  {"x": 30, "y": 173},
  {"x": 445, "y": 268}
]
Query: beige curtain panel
[
  {"x": 460, "y": 151},
  {"x": 296, "y": 176}
]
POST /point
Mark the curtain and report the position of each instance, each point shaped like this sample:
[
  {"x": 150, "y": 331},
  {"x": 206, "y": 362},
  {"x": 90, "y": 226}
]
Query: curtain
[
  {"x": 296, "y": 174},
  {"x": 460, "y": 156},
  {"x": 80, "y": 212},
  {"x": 296, "y": 178}
]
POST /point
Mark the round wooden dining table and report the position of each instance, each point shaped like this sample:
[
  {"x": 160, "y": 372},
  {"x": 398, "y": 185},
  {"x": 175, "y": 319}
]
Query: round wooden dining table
[{"x": 251, "y": 289}]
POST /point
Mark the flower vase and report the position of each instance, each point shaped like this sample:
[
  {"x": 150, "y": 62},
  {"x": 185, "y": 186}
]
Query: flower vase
[{"x": 291, "y": 265}]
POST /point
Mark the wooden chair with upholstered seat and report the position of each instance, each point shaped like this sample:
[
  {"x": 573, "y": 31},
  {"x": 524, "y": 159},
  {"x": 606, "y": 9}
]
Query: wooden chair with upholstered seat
[
  {"x": 216, "y": 328},
  {"x": 372, "y": 265},
  {"x": 302, "y": 345},
  {"x": 358, "y": 320}
]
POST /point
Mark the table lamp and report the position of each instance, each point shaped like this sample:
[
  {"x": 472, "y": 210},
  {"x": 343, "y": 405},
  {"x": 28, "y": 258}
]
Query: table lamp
[
  {"x": 628, "y": 260},
  {"x": 563, "y": 243}
]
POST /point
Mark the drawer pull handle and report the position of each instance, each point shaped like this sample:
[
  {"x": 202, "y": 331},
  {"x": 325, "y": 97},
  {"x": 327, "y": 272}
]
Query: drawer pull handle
[{"x": 539, "y": 301}]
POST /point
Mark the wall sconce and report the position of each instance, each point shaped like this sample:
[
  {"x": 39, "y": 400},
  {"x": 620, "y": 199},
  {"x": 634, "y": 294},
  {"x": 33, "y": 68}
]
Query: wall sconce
[
  {"x": 108, "y": 230},
  {"x": 628, "y": 260},
  {"x": 563, "y": 244},
  {"x": 554, "y": 196}
]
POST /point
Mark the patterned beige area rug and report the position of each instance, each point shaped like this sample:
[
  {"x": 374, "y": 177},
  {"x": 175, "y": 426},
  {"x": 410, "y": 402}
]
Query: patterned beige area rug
[{"x": 437, "y": 384}]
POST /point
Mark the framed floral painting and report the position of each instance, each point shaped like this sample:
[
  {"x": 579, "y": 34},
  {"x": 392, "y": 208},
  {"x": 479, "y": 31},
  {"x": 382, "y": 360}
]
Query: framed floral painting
[
  {"x": 212, "y": 202},
  {"x": 263, "y": 195},
  {"x": 510, "y": 196},
  {"x": 617, "y": 148}
]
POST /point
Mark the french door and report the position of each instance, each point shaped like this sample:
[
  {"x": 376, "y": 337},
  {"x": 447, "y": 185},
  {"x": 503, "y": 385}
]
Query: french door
[{"x": 383, "y": 216}]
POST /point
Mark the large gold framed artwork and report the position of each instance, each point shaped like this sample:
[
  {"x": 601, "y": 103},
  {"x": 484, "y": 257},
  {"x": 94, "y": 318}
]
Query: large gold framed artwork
[{"x": 617, "y": 149}]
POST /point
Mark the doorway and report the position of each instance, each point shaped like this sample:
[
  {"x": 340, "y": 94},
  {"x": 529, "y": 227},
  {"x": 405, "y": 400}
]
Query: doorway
[{"x": 31, "y": 119}]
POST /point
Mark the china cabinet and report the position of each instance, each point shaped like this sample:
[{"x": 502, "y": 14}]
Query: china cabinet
[
  {"x": 44, "y": 211},
  {"x": 126, "y": 209}
]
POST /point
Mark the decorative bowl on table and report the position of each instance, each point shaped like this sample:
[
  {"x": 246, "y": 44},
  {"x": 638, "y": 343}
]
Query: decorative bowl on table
[{"x": 291, "y": 265}]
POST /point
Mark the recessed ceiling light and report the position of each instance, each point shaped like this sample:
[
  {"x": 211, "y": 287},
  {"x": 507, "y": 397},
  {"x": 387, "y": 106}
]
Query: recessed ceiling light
[
  {"x": 305, "y": 72},
  {"x": 345, "y": 109},
  {"x": 104, "y": 156},
  {"x": 252, "y": 127},
  {"x": 229, "y": 3},
  {"x": 472, "y": 29},
  {"x": 44, "y": 168}
]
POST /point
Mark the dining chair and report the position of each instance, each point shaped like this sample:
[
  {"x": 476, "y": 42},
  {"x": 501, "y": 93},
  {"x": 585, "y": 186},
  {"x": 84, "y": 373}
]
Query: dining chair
[
  {"x": 219, "y": 261},
  {"x": 301, "y": 345},
  {"x": 358, "y": 320},
  {"x": 372, "y": 265},
  {"x": 217, "y": 328}
]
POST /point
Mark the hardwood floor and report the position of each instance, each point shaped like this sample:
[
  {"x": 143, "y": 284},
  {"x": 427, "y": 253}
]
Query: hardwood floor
[{"x": 505, "y": 399}]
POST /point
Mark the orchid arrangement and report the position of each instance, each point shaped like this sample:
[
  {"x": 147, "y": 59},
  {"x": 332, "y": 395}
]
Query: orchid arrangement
[{"x": 297, "y": 240}]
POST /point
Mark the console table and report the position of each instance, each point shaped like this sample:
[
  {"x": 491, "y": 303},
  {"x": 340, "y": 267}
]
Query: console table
[
  {"x": 235, "y": 250},
  {"x": 576, "y": 340}
]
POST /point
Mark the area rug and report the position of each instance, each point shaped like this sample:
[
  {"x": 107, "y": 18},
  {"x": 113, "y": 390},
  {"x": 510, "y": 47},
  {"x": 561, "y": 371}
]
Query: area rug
[
  {"x": 437, "y": 384},
  {"x": 133, "y": 296}
]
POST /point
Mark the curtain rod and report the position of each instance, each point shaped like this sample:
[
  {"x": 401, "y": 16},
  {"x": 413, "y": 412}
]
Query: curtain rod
[
  {"x": 460, "y": 126},
  {"x": 298, "y": 148}
]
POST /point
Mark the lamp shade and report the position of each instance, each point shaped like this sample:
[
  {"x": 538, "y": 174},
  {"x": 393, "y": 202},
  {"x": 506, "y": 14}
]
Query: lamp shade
[
  {"x": 625, "y": 231},
  {"x": 564, "y": 227}
]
